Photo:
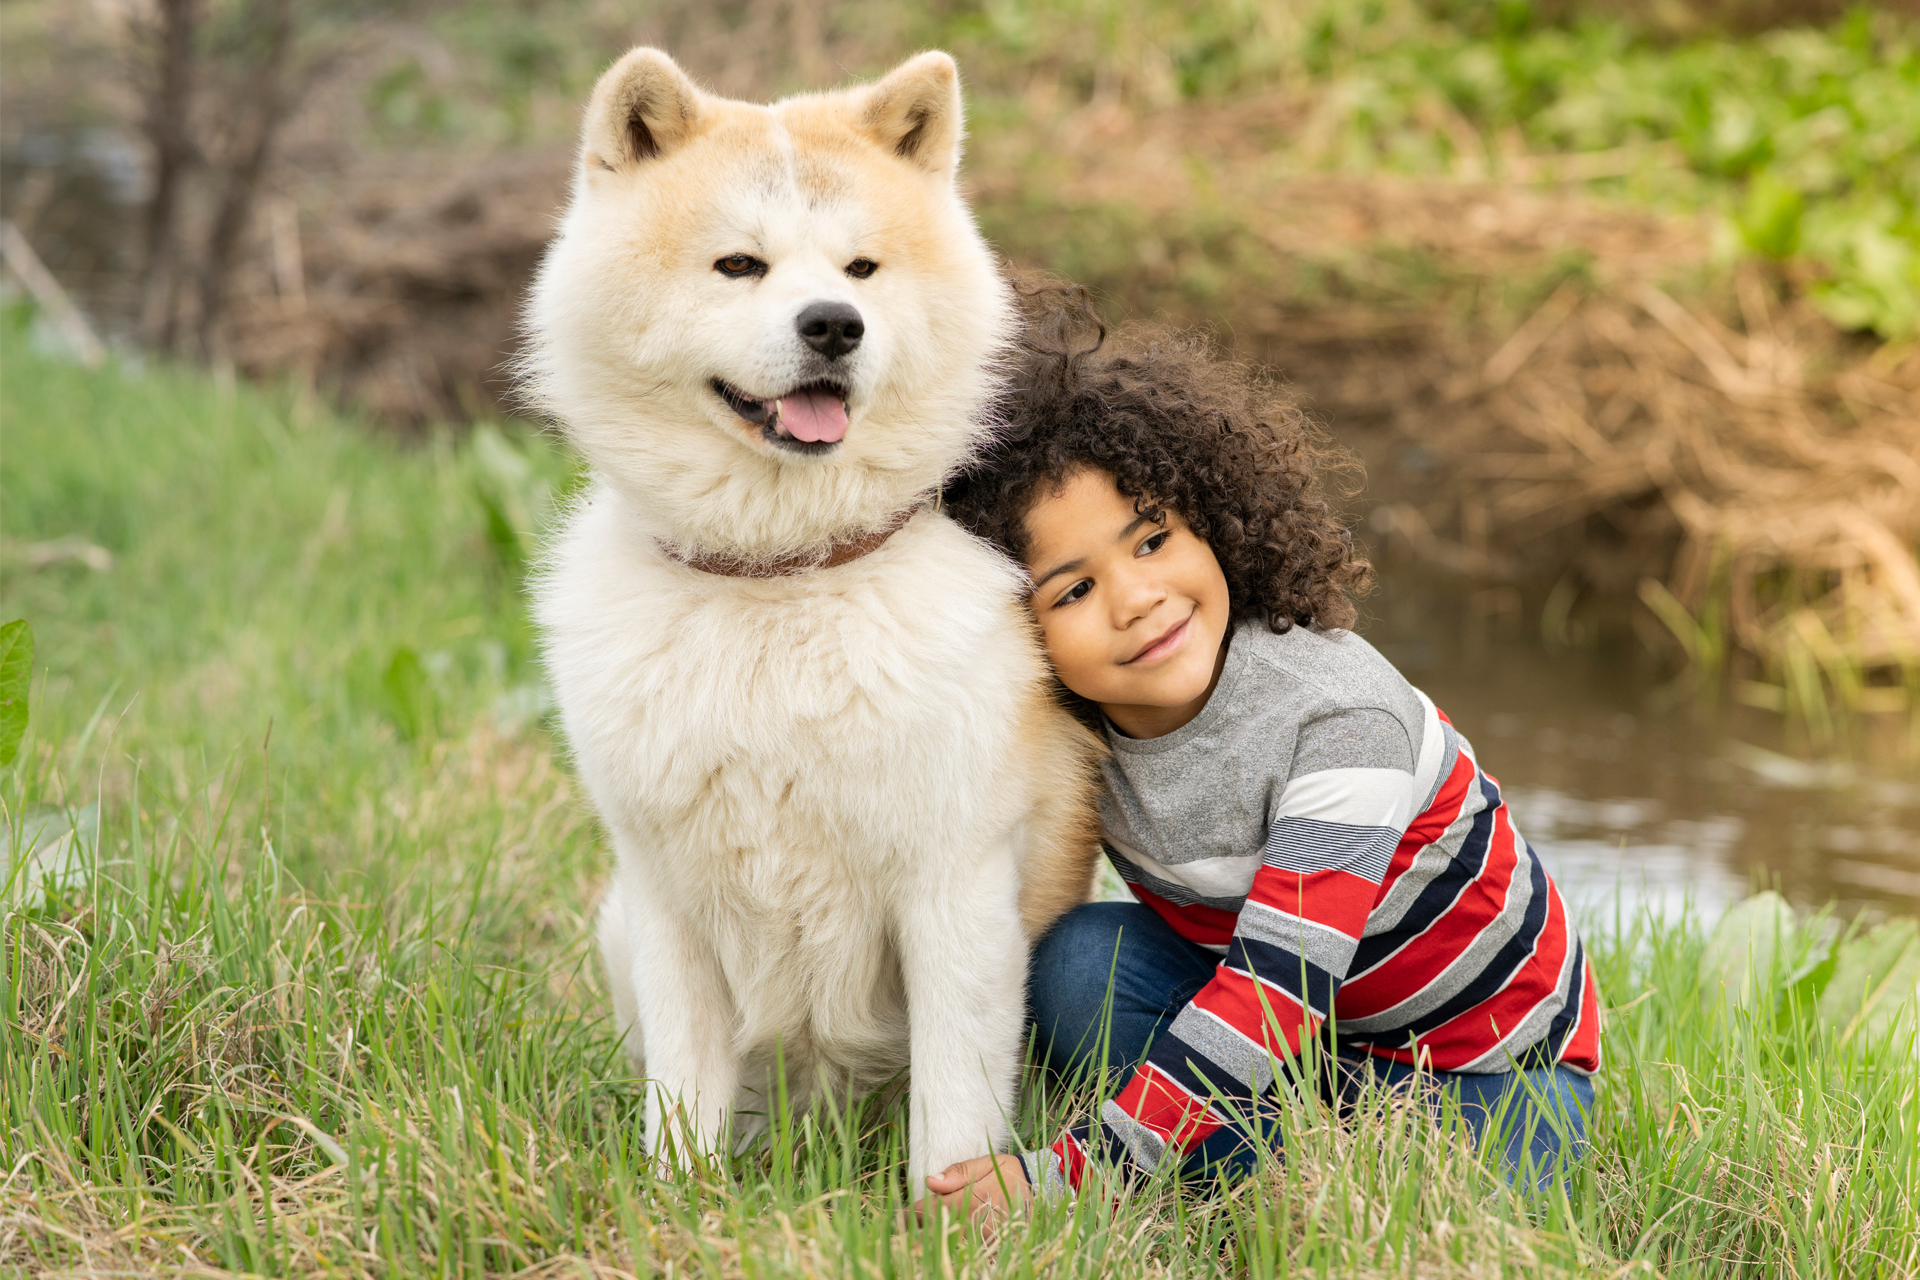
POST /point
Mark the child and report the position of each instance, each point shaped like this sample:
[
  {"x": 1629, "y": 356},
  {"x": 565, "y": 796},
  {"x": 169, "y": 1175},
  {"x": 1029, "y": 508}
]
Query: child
[{"x": 1296, "y": 822}]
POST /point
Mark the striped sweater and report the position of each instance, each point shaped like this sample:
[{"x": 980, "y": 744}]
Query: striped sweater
[{"x": 1324, "y": 828}]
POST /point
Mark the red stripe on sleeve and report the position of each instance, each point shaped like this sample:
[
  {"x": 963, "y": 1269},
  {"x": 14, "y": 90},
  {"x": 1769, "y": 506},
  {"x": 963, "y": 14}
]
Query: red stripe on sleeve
[
  {"x": 1338, "y": 899},
  {"x": 1432, "y": 823},
  {"x": 1153, "y": 1099},
  {"x": 1460, "y": 1041},
  {"x": 1582, "y": 1046},
  {"x": 1073, "y": 1160},
  {"x": 1421, "y": 960},
  {"x": 1235, "y": 999}
]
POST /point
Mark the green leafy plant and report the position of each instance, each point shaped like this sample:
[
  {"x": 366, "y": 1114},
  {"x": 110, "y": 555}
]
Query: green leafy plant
[
  {"x": 1871, "y": 989},
  {"x": 1802, "y": 139},
  {"x": 1769, "y": 217},
  {"x": 16, "y": 683},
  {"x": 409, "y": 696},
  {"x": 1860, "y": 981}
]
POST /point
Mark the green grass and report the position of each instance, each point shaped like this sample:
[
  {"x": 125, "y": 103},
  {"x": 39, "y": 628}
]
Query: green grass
[
  {"x": 325, "y": 1004},
  {"x": 353, "y": 597}
]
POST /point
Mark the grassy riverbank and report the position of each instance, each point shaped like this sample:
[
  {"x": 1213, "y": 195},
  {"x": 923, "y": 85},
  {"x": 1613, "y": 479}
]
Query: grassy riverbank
[{"x": 320, "y": 1000}]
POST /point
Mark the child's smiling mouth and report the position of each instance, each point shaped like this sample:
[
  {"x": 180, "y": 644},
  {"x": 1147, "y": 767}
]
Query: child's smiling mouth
[{"x": 1166, "y": 644}]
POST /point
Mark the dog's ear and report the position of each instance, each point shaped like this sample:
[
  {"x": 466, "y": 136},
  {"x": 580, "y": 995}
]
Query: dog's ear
[
  {"x": 915, "y": 112},
  {"x": 643, "y": 107}
]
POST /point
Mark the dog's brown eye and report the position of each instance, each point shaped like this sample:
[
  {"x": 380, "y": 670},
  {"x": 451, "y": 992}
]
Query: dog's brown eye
[
  {"x": 740, "y": 264},
  {"x": 861, "y": 268}
]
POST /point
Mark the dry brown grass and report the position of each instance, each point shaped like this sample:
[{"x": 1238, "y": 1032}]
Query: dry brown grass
[
  {"x": 1795, "y": 489},
  {"x": 1594, "y": 399}
]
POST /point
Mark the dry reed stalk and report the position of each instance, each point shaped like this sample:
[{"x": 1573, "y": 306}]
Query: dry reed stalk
[{"x": 1796, "y": 495}]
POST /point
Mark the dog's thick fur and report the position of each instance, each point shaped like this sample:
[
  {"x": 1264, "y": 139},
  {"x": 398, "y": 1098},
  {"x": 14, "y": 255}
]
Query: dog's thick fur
[{"x": 842, "y": 800}]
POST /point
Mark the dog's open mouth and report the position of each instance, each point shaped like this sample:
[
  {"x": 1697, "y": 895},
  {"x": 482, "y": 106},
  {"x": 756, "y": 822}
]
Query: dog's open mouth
[{"x": 809, "y": 419}]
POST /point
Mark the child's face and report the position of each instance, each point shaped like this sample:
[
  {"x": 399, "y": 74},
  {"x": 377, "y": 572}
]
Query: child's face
[{"x": 1133, "y": 613}]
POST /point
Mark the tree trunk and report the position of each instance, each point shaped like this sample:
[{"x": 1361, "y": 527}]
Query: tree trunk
[
  {"x": 168, "y": 130},
  {"x": 272, "y": 98}
]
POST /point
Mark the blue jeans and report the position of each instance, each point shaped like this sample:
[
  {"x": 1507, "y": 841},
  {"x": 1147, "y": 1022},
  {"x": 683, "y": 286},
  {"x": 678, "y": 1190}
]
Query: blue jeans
[{"x": 1153, "y": 972}]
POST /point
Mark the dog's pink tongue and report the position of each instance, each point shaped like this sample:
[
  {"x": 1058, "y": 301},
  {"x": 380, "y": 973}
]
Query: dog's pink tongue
[{"x": 814, "y": 416}]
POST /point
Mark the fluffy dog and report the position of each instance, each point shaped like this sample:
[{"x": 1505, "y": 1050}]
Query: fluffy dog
[{"x": 810, "y": 710}]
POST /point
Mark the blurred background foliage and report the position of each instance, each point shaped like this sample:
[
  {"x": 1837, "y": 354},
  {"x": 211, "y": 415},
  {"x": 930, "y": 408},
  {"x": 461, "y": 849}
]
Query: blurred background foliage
[
  {"x": 1618, "y": 303},
  {"x": 1801, "y": 137}
]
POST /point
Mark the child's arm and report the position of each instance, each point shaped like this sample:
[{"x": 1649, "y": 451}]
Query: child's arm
[{"x": 1332, "y": 835}]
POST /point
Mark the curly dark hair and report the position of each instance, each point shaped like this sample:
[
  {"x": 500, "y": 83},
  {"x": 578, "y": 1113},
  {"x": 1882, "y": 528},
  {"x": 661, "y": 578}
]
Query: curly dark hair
[{"x": 1175, "y": 426}]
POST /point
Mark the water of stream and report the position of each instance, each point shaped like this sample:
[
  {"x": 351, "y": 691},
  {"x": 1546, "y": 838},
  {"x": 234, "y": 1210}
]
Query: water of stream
[{"x": 1639, "y": 793}]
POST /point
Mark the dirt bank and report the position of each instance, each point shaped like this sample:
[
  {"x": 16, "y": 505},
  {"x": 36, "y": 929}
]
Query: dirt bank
[{"x": 1551, "y": 391}]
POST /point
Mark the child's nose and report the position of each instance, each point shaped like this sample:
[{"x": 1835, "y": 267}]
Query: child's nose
[{"x": 1140, "y": 598}]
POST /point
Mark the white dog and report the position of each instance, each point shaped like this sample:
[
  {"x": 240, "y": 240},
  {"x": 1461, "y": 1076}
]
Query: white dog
[{"x": 809, "y": 708}]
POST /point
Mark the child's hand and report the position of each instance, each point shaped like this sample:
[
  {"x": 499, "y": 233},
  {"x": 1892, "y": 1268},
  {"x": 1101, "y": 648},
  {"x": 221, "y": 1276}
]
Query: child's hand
[{"x": 985, "y": 1188}]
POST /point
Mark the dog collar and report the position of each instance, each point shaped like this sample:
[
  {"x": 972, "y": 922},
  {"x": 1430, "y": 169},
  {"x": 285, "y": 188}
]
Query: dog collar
[{"x": 840, "y": 551}]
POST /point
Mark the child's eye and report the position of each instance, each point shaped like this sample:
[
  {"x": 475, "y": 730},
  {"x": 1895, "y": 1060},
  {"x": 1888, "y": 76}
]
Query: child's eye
[
  {"x": 1075, "y": 592},
  {"x": 1154, "y": 542}
]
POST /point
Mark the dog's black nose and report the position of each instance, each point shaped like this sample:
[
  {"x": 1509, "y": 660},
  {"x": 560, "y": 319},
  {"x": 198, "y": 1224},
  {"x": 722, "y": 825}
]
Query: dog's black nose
[{"x": 831, "y": 328}]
